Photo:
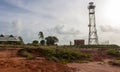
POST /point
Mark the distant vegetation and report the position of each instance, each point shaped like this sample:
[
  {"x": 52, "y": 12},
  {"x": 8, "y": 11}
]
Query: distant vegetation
[
  {"x": 50, "y": 40},
  {"x": 98, "y": 46},
  {"x": 35, "y": 42}
]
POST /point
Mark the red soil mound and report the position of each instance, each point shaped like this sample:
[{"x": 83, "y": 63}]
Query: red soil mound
[
  {"x": 10, "y": 62},
  {"x": 37, "y": 65}
]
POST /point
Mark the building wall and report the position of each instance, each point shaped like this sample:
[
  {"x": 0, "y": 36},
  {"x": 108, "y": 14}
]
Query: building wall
[
  {"x": 11, "y": 42},
  {"x": 79, "y": 42}
]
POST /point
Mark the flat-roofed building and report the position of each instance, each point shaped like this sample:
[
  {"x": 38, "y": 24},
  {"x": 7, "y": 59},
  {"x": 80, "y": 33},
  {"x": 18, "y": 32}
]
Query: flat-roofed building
[{"x": 79, "y": 42}]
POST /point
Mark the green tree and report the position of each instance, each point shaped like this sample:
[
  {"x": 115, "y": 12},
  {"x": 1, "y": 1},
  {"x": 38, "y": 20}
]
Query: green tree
[
  {"x": 51, "y": 40},
  {"x": 42, "y": 42},
  {"x": 35, "y": 42}
]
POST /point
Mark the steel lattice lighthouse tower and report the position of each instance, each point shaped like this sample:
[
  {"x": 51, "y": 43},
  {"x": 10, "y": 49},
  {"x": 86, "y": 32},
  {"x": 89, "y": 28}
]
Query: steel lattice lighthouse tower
[{"x": 93, "y": 38}]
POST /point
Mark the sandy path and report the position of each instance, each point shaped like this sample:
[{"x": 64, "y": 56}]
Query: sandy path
[{"x": 94, "y": 67}]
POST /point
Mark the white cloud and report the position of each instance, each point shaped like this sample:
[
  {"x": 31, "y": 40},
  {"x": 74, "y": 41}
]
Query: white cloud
[
  {"x": 108, "y": 28},
  {"x": 17, "y": 26},
  {"x": 61, "y": 29}
]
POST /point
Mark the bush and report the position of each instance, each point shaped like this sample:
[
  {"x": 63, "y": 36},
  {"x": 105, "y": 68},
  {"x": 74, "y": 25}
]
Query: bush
[
  {"x": 114, "y": 53},
  {"x": 71, "y": 56},
  {"x": 35, "y": 42},
  {"x": 26, "y": 54},
  {"x": 42, "y": 42},
  {"x": 29, "y": 56},
  {"x": 64, "y": 55},
  {"x": 58, "y": 55}
]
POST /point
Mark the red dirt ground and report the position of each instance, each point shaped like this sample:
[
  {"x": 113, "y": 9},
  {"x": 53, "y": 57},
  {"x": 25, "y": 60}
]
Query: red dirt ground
[
  {"x": 38, "y": 65},
  {"x": 9, "y": 62},
  {"x": 99, "y": 62},
  {"x": 94, "y": 67}
]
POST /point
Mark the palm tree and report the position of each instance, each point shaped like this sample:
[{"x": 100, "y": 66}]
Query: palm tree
[{"x": 41, "y": 35}]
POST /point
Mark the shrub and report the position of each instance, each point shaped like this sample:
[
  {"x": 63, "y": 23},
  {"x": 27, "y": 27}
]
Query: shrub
[
  {"x": 35, "y": 42},
  {"x": 70, "y": 55},
  {"x": 26, "y": 54},
  {"x": 64, "y": 55},
  {"x": 30, "y": 56},
  {"x": 58, "y": 55},
  {"x": 42, "y": 42},
  {"x": 114, "y": 53}
]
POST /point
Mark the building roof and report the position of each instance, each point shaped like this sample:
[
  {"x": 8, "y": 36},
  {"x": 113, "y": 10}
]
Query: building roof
[{"x": 9, "y": 38}]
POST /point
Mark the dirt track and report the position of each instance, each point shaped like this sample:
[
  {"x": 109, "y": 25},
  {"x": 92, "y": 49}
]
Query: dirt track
[{"x": 94, "y": 67}]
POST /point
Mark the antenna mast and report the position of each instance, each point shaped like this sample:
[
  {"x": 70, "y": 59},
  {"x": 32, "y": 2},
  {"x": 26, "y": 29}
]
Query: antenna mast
[{"x": 93, "y": 38}]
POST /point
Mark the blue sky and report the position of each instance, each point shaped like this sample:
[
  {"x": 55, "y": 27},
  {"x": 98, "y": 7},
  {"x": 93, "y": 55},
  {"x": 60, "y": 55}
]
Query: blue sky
[{"x": 66, "y": 19}]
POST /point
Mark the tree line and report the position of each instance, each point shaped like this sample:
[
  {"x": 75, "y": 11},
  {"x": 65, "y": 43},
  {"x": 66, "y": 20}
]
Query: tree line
[{"x": 49, "y": 40}]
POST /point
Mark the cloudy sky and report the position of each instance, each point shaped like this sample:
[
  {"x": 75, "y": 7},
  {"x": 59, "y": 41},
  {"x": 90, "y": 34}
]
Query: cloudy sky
[{"x": 66, "y": 19}]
